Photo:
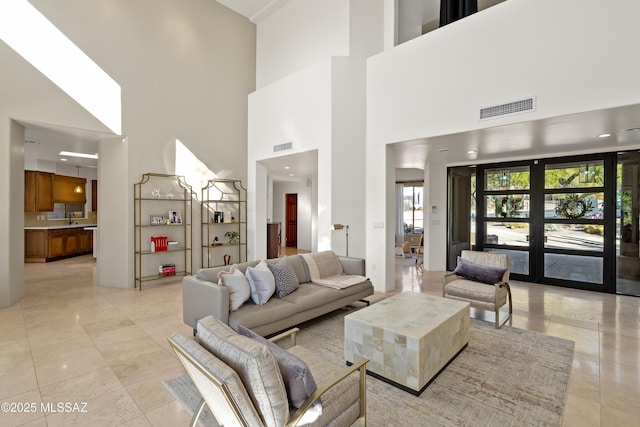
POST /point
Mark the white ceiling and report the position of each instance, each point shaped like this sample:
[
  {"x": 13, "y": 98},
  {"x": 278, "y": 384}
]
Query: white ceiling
[
  {"x": 45, "y": 141},
  {"x": 255, "y": 10},
  {"x": 557, "y": 136}
]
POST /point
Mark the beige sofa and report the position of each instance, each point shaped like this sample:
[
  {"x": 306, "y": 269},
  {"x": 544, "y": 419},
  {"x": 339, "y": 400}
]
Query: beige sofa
[{"x": 203, "y": 296}]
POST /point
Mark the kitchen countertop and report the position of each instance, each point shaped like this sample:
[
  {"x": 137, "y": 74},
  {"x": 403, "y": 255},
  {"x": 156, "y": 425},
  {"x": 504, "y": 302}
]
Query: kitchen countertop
[{"x": 58, "y": 227}]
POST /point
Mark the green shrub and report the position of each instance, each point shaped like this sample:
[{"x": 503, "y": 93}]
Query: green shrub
[{"x": 594, "y": 229}]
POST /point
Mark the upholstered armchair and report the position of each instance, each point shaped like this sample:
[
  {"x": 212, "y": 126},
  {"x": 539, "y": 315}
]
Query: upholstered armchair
[
  {"x": 245, "y": 382},
  {"x": 404, "y": 250},
  {"x": 481, "y": 279}
]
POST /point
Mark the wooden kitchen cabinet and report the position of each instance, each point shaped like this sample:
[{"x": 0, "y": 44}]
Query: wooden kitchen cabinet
[
  {"x": 85, "y": 241},
  {"x": 94, "y": 195},
  {"x": 35, "y": 245},
  {"x": 63, "y": 189},
  {"x": 56, "y": 243},
  {"x": 38, "y": 191},
  {"x": 42, "y": 245}
]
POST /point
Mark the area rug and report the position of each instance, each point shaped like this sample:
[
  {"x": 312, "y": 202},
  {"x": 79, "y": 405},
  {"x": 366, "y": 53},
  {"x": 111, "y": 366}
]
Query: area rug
[{"x": 505, "y": 377}]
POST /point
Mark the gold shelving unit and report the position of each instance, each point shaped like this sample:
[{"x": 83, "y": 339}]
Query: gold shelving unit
[
  {"x": 162, "y": 206},
  {"x": 224, "y": 211}
]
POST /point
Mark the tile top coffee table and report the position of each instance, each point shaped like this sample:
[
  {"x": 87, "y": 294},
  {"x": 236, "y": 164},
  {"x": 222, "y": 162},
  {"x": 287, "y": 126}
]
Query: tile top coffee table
[{"x": 408, "y": 338}]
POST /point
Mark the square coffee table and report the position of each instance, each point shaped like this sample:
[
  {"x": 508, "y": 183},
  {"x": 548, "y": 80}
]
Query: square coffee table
[{"x": 408, "y": 338}]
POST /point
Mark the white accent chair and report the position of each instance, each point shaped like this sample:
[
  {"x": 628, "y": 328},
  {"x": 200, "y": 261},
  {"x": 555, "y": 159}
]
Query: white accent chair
[{"x": 482, "y": 295}]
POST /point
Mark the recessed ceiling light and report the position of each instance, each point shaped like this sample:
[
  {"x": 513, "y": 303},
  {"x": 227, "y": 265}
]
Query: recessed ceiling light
[
  {"x": 75, "y": 154},
  {"x": 290, "y": 174},
  {"x": 287, "y": 167},
  {"x": 604, "y": 135},
  {"x": 471, "y": 151},
  {"x": 64, "y": 160}
]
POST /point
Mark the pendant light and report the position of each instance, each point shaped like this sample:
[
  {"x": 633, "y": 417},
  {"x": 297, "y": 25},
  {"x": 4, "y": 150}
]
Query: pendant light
[{"x": 78, "y": 188}]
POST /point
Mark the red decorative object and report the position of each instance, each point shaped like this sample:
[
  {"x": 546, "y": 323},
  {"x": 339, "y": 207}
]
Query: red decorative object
[
  {"x": 158, "y": 243},
  {"x": 167, "y": 270}
]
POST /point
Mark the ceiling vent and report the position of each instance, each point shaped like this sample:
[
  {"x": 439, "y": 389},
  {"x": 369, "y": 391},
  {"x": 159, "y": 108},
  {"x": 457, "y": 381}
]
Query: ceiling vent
[
  {"x": 283, "y": 147},
  {"x": 516, "y": 107}
]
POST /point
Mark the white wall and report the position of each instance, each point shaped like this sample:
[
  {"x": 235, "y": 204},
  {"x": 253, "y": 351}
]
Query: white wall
[
  {"x": 409, "y": 175},
  {"x": 185, "y": 69},
  {"x": 25, "y": 95},
  {"x": 435, "y": 84},
  {"x": 435, "y": 223},
  {"x": 297, "y": 110},
  {"x": 299, "y": 34}
]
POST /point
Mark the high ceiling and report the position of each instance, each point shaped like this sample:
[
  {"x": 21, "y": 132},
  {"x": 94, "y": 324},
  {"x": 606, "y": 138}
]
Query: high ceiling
[
  {"x": 255, "y": 10},
  {"x": 576, "y": 133}
]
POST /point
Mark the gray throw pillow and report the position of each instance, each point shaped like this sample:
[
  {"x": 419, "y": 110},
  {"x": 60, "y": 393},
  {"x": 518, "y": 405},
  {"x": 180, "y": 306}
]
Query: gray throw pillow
[
  {"x": 261, "y": 282},
  {"x": 296, "y": 375},
  {"x": 286, "y": 278},
  {"x": 479, "y": 273}
]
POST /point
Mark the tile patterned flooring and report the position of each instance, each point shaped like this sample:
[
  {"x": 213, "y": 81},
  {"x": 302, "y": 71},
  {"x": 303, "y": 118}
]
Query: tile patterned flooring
[{"x": 69, "y": 341}]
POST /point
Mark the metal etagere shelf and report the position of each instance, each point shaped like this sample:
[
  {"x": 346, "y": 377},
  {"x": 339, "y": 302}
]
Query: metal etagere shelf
[
  {"x": 224, "y": 214},
  {"x": 162, "y": 218}
]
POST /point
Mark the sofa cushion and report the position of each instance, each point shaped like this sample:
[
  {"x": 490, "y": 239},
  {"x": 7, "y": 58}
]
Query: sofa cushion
[
  {"x": 222, "y": 373},
  {"x": 239, "y": 290},
  {"x": 479, "y": 273},
  {"x": 298, "y": 380},
  {"x": 211, "y": 274},
  {"x": 262, "y": 283},
  {"x": 323, "y": 264},
  {"x": 285, "y": 277},
  {"x": 252, "y": 315},
  {"x": 254, "y": 363},
  {"x": 299, "y": 266}
]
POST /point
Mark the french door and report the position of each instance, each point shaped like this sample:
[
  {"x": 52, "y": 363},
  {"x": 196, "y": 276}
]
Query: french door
[{"x": 555, "y": 218}]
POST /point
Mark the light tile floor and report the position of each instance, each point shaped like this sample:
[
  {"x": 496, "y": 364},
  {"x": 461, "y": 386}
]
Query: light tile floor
[{"x": 70, "y": 342}]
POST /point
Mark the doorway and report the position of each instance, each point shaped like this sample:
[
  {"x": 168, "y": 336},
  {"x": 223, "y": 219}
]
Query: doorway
[
  {"x": 291, "y": 220},
  {"x": 566, "y": 221}
]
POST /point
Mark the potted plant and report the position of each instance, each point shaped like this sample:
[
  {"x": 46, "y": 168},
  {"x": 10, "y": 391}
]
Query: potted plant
[{"x": 232, "y": 236}]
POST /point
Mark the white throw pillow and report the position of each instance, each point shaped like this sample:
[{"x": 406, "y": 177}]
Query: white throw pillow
[
  {"x": 239, "y": 289},
  {"x": 262, "y": 283}
]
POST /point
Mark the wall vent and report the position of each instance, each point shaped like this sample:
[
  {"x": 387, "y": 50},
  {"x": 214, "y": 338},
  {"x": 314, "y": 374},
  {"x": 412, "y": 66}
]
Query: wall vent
[
  {"x": 516, "y": 107},
  {"x": 283, "y": 147}
]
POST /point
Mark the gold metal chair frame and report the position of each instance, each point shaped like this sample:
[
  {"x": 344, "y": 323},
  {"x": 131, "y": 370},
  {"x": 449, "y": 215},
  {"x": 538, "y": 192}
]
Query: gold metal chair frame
[{"x": 359, "y": 365}]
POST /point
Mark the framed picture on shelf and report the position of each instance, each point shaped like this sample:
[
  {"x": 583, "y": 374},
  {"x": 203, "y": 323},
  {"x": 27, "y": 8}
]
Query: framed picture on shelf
[
  {"x": 175, "y": 217},
  {"x": 157, "y": 220}
]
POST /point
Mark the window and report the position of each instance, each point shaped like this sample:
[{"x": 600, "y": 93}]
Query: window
[{"x": 412, "y": 203}]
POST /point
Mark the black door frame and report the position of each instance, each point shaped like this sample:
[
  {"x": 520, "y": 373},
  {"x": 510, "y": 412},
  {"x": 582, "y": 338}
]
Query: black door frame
[{"x": 536, "y": 220}]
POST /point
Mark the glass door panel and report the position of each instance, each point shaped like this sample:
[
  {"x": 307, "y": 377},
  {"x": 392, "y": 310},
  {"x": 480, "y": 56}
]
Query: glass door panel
[
  {"x": 575, "y": 268},
  {"x": 507, "y": 233},
  {"x": 573, "y": 241},
  {"x": 575, "y": 237},
  {"x": 506, "y": 207},
  {"x": 628, "y": 224}
]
